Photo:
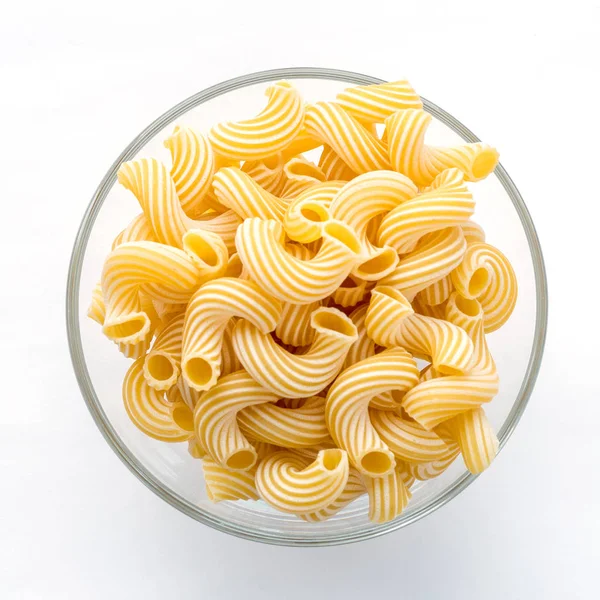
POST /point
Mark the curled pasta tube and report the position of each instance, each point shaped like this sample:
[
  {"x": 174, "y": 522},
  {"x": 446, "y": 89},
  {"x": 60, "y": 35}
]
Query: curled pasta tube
[
  {"x": 290, "y": 375},
  {"x": 391, "y": 322},
  {"x": 301, "y": 174},
  {"x": 374, "y": 103},
  {"x": 215, "y": 419},
  {"x": 238, "y": 191},
  {"x": 207, "y": 315},
  {"x": 152, "y": 185},
  {"x": 295, "y": 485},
  {"x": 299, "y": 427},
  {"x": 486, "y": 274},
  {"x": 347, "y": 406},
  {"x": 161, "y": 364},
  {"x": 193, "y": 168},
  {"x": 334, "y": 167},
  {"x": 225, "y": 484},
  {"x": 270, "y": 131},
  {"x": 260, "y": 245},
  {"x": 131, "y": 265},
  {"x": 267, "y": 173},
  {"x": 307, "y": 213},
  {"x": 388, "y": 496},
  {"x": 149, "y": 412},
  {"x": 350, "y": 140},
  {"x": 409, "y": 154},
  {"x": 446, "y": 204}
]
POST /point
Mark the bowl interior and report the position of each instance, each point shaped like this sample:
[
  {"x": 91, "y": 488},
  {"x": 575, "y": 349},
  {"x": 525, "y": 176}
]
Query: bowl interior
[{"x": 167, "y": 468}]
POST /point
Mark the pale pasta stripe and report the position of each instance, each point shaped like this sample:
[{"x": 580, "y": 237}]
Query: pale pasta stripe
[
  {"x": 290, "y": 375},
  {"x": 475, "y": 437},
  {"x": 238, "y": 191},
  {"x": 131, "y": 265},
  {"x": 347, "y": 405},
  {"x": 193, "y": 168},
  {"x": 374, "y": 103},
  {"x": 448, "y": 203},
  {"x": 294, "y": 485},
  {"x": 225, "y": 484},
  {"x": 266, "y": 134},
  {"x": 433, "y": 259},
  {"x": 409, "y": 154},
  {"x": 207, "y": 315},
  {"x": 333, "y": 167},
  {"x": 354, "y": 489},
  {"x": 161, "y": 365},
  {"x": 260, "y": 245},
  {"x": 215, "y": 419},
  {"x": 350, "y": 140},
  {"x": 437, "y": 292},
  {"x": 138, "y": 230},
  {"x": 361, "y": 200},
  {"x": 301, "y": 174},
  {"x": 288, "y": 427},
  {"x": 388, "y": 496},
  {"x": 307, "y": 213},
  {"x": 147, "y": 409},
  {"x": 391, "y": 321},
  {"x": 268, "y": 173},
  {"x": 351, "y": 291},
  {"x": 408, "y": 440},
  {"x": 486, "y": 274}
]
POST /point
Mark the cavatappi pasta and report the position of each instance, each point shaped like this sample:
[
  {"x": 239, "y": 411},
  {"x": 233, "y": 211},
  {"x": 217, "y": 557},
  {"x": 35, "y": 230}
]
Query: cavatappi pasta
[{"x": 275, "y": 303}]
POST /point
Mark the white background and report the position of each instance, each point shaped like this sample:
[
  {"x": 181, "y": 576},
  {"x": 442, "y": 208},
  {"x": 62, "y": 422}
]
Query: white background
[{"x": 78, "y": 83}]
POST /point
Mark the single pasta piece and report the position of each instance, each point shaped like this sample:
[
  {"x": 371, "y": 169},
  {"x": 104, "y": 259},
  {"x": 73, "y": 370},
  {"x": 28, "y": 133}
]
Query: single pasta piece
[
  {"x": 260, "y": 245},
  {"x": 301, "y": 174},
  {"x": 486, "y": 274},
  {"x": 309, "y": 211},
  {"x": 266, "y": 134},
  {"x": 268, "y": 173},
  {"x": 409, "y": 154},
  {"x": 290, "y": 375},
  {"x": 475, "y": 437},
  {"x": 351, "y": 291},
  {"x": 288, "y": 427},
  {"x": 303, "y": 142},
  {"x": 374, "y": 103},
  {"x": 388, "y": 496},
  {"x": 353, "y": 490},
  {"x": 295, "y": 485},
  {"x": 334, "y": 168},
  {"x": 361, "y": 200},
  {"x": 161, "y": 365},
  {"x": 149, "y": 412},
  {"x": 391, "y": 321},
  {"x": 194, "y": 448},
  {"x": 446, "y": 204},
  {"x": 215, "y": 419},
  {"x": 238, "y": 191},
  {"x": 207, "y": 315},
  {"x": 437, "y": 292},
  {"x": 347, "y": 406},
  {"x": 225, "y": 484},
  {"x": 473, "y": 232},
  {"x": 131, "y": 265},
  {"x": 433, "y": 259},
  {"x": 193, "y": 168},
  {"x": 230, "y": 363},
  {"x": 426, "y": 471},
  {"x": 407, "y": 440},
  {"x": 138, "y": 230},
  {"x": 351, "y": 141}
]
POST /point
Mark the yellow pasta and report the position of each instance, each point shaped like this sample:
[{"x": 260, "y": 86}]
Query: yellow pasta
[
  {"x": 290, "y": 375},
  {"x": 348, "y": 401},
  {"x": 351, "y": 291},
  {"x": 333, "y": 167},
  {"x": 409, "y": 154},
  {"x": 215, "y": 419},
  {"x": 193, "y": 168},
  {"x": 350, "y": 140},
  {"x": 138, "y": 230},
  {"x": 299, "y": 427},
  {"x": 295, "y": 485},
  {"x": 182, "y": 392},
  {"x": 260, "y": 245},
  {"x": 207, "y": 315},
  {"x": 374, "y": 103},
  {"x": 149, "y": 412},
  {"x": 437, "y": 292},
  {"x": 301, "y": 174},
  {"x": 235, "y": 268},
  {"x": 388, "y": 496},
  {"x": 268, "y": 173},
  {"x": 225, "y": 484},
  {"x": 473, "y": 232},
  {"x": 266, "y": 134},
  {"x": 448, "y": 203},
  {"x": 486, "y": 274},
  {"x": 426, "y": 471},
  {"x": 194, "y": 448},
  {"x": 230, "y": 363},
  {"x": 161, "y": 365}
]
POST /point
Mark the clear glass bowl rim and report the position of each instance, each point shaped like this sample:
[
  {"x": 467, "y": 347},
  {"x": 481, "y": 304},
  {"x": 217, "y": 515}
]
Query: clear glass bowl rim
[{"x": 87, "y": 388}]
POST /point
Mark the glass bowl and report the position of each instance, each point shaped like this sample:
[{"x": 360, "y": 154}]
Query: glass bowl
[{"x": 167, "y": 469}]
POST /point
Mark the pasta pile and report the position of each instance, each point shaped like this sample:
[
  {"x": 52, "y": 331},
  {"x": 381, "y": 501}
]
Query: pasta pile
[{"x": 275, "y": 307}]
